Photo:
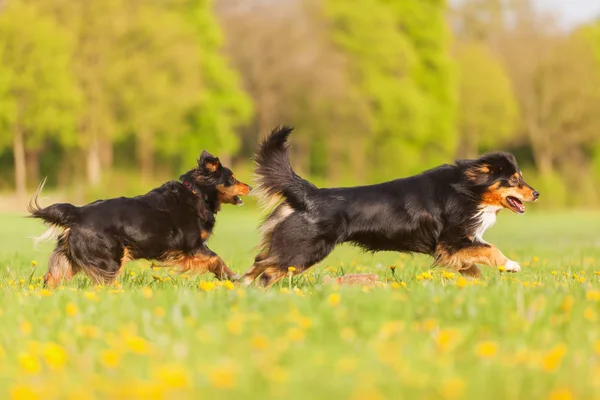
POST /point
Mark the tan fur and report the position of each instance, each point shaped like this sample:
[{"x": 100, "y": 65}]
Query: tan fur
[
  {"x": 472, "y": 271},
  {"x": 59, "y": 269},
  {"x": 226, "y": 194},
  {"x": 198, "y": 264},
  {"x": 496, "y": 195},
  {"x": 464, "y": 260},
  {"x": 126, "y": 256}
]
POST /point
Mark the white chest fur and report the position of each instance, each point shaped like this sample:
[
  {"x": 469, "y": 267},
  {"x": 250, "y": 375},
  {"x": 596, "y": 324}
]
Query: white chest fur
[{"x": 484, "y": 219}]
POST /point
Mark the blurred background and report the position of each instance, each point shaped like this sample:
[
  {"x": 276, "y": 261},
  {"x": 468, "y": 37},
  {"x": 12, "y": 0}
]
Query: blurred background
[{"x": 113, "y": 97}]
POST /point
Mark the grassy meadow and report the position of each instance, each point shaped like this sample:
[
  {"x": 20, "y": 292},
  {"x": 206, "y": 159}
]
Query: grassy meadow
[{"x": 428, "y": 334}]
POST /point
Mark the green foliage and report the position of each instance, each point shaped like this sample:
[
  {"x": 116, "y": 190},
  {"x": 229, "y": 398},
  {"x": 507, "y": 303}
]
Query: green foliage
[
  {"x": 37, "y": 93},
  {"x": 223, "y": 106},
  {"x": 488, "y": 108},
  {"x": 400, "y": 66}
]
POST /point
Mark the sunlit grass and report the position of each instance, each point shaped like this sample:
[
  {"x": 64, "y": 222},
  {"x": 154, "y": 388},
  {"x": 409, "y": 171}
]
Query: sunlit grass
[{"x": 426, "y": 333}]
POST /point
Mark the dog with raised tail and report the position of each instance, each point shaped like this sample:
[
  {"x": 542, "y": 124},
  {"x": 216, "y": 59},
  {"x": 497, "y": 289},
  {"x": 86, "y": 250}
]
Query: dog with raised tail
[{"x": 442, "y": 212}]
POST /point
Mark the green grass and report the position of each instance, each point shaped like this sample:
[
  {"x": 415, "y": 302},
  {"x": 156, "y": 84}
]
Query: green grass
[{"x": 428, "y": 334}]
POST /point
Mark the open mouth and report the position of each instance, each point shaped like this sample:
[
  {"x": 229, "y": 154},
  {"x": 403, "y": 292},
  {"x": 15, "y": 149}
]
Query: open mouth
[
  {"x": 238, "y": 201},
  {"x": 515, "y": 204}
]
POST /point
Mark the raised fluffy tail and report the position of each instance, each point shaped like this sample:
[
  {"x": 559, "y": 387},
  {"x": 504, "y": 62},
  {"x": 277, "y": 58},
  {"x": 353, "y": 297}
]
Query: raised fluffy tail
[
  {"x": 274, "y": 174},
  {"x": 61, "y": 215}
]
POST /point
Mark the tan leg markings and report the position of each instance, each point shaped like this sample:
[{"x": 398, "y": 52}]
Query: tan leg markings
[{"x": 487, "y": 255}]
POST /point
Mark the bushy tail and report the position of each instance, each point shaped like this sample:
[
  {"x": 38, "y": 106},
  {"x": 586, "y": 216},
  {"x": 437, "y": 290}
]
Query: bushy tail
[
  {"x": 274, "y": 174},
  {"x": 58, "y": 216}
]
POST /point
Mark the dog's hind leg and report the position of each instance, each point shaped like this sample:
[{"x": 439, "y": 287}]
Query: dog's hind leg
[
  {"x": 295, "y": 242},
  {"x": 60, "y": 269}
]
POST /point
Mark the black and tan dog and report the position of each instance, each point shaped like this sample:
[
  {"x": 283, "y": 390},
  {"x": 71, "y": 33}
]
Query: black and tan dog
[
  {"x": 170, "y": 224},
  {"x": 442, "y": 212}
]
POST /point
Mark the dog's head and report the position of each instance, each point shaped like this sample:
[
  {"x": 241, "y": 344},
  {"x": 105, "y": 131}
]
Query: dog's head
[
  {"x": 210, "y": 172},
  {"x": 501, "y": 181}
]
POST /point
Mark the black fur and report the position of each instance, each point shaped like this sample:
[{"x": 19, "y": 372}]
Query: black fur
[
  {"x": 169, "y": 224},
  {"x": 418, "y": 214}
]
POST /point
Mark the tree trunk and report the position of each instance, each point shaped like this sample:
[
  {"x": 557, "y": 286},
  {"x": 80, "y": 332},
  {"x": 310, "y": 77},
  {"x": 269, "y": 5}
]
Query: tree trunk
[
  {"x": 19, "y": 154},
  {"x": 468, "y": 146},
  {"x": 32, "y": 160},
  {"x": 145, "y": 156},
  {"x": 94, "y": 167},
  {"x": 106, "y": 155}
]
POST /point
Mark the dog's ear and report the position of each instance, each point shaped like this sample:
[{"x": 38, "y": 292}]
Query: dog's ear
[
  {"x": 475, "y": 171},
  {"x": 208, "y": 163}
]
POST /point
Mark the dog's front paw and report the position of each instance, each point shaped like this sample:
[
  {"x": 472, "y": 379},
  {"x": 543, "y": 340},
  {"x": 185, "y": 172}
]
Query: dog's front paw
[{"x": 512, "y": 266}]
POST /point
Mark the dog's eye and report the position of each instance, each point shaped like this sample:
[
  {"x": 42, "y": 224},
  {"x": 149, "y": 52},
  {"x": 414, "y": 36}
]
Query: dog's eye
[
  {"x": 232, "y": 180},
  {"x": 513, "y": 181}
]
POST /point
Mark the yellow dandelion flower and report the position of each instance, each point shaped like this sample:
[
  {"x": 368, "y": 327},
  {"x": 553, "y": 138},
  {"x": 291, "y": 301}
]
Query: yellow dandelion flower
[
  {"x": 137, "y": 345},
  {"x": 554, "y": 272},
  {"x": 393, "y": 267},
  {"x": 235, "y": 325},
  {"x": 448, "y": 275},
  {"x": 87, "y": 331},
  {"x": 29, "y": 363},
  {"x": 110, "y": 358},
  {"x": 23, "y": 392},
  {"x": 93, "y": 296},
  {"x": 553, "y": 358},
  {"x": 461, "y": 282},
  {"x": 446, "y": 339},
  {"x": 260, "y": 342},
  {"x": 159, "y": 312},
  {"x": 347, "y": 334},
  {"x": 173, "y": 376},
  {"x": 334, "y": 299},
  {"x": 223, "y": 377},
  {"x": 277, "y": 374},
  {"x": 536, "y": 259},
  {"x": 567, "y": 304},
  {"x": 34, "y": 263},
  {"x": 207, "y": 286},
  {"x": 46, "y": 293},
  {"x": 228, "y": 285},
  {"x": 589, "y": 314},
  {"x": 304, "y": 322},
  {"x": 501, "y": 268},
  {"x": 25, "y": 328},
  {"x": 71, "y": 309},
  {"x": 295, "y": 335},
  {"x": 395, "y": 285},
  {"x": 453, "y": 388},
  {"x": 593, "y": 295},
  {"x": 147, "y": 292},
  {"x": 55, "y": 356},
  {"x": 560, "y": 394},
  {"x": 291, "y": 269},
  {"x": 487, "y": 349}
]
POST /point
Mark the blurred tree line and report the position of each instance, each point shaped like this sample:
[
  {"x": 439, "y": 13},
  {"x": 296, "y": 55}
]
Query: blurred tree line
[{"x": 121, "y": 94}]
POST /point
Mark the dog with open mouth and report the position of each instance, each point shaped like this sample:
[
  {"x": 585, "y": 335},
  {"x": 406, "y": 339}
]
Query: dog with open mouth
[
  {"x": 170, "y": 224},
  {"x": 442, "y": 212}
]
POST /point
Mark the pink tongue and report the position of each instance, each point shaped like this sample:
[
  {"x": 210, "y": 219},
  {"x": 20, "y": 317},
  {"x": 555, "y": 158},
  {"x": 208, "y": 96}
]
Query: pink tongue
[{"x": 518, "y": 204}]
